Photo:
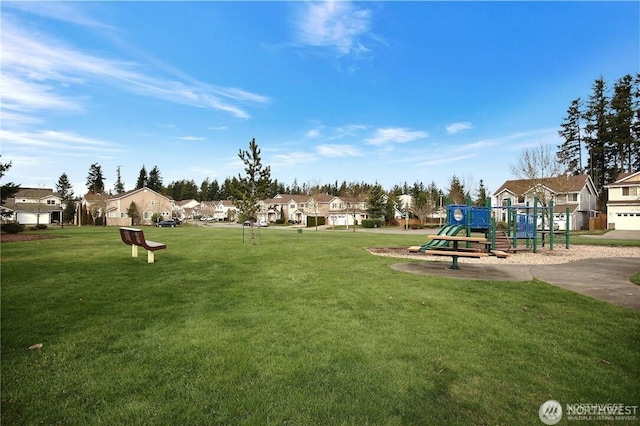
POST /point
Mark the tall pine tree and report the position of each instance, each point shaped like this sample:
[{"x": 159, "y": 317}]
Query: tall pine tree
[
  {"x": 570, "y": 152},
  {"x": 142, "y": 178},
  {"x": 457, "y": 192},
  {"x": 621, "y": 121},
  {"x": 64, "y": 188},
  {"x": 155, "y": 180},
  {"x": 119, "y": 185},
  {"x": 253, "y": 186},
  {"x": 95, "y": 179},
  {"x": 597, "y": 135},
  {"x": 376, "y": 202}
]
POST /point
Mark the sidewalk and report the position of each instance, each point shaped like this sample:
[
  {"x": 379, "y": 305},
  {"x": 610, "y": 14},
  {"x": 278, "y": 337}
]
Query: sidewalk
[{"x": 605, "y": 278}]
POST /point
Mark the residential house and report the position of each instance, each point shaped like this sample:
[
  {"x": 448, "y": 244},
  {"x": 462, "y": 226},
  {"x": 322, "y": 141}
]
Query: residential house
[
  {"x": 299, "y": 208},
  {"x": 296, "y": 208},
  {"x": 147, "y": 201},
  {"x": 32, "y": 206},
  {"x": 623, "y": 207},
  {"x": 577, "y": 193},
  {"x": 224, "y": 210},
  {"x": 185, "y": 209},
  {"x": 347, "y": 211}
]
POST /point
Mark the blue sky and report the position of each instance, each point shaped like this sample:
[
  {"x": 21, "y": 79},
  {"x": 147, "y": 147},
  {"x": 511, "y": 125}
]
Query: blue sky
[{"x": 386, "y": 92}]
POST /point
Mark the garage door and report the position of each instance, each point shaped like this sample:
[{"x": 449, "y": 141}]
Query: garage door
[{"x": 627, "y": 221}]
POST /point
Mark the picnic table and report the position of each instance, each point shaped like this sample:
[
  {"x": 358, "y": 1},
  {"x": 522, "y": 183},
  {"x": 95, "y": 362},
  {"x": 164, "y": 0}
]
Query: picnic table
[{"x": 456, "y": 251}]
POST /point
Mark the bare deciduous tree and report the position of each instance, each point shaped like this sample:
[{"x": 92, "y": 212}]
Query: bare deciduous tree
[{"x": 539, "y": 166}]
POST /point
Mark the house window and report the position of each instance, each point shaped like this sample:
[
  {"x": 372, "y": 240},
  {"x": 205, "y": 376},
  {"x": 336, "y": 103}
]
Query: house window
[
  {"x": 292, "y": 206},
  {"x": 521, "y": 199},
  {"x": 51, "y": 202},
  {"x": 147, "y": 214},
  {"x": 572, "y": 198},
  {"x": 627, "y": 191},
  {"x": 123, "y": 214}
]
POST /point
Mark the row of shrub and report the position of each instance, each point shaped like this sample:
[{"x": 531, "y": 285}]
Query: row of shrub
[
  {"x": 372, "y": 223},
  {"x": 14, "y": 228}
]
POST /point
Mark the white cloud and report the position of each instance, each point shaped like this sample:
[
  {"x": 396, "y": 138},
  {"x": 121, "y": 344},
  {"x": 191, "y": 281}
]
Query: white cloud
[
  {"x": 59, "y": 11},
  {"x": 330, "y": 150},
  {"x": 192, "y": 138},
  {"x": 55, "y": 141},
  {"x": 313, "y": 133},
  {"x": 445, "y": 160},
  {"x": 395, "y": 135},
  {"x": 293, "y": 159},
  {"x": 334, "y": 24},
  {"x": 454, "y": 128},
  {"x": 43, "y": 65}
]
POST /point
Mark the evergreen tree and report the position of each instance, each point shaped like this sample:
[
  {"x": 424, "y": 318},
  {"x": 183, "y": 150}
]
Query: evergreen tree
[
  {"x": 621, "y": 121},
  {"x": 119, "y": 185},
  {"x": 481, "y": 195},
  {"x": 155, "y": 180},
  {"x": 457, "y": 193},
  {"x": 597, "y": 135},
  {"x": 203, "y": 193},
  {"x": 95, "y": 179},
  {"x": 376, "y": 202},
  {"x": 226, "y": 191},
  {"x": 64, "y": 188},
  {"x": 8, "y": 190},
  {"x": 69, "y": 212},
  {"x": 635, "y": 127},
  {"x": 142, "y": 178},
  {"x": 133, "y": 213},
  {"x": 390, "y": 208},
  {"x": 253, "y": 186},
  {"x": 570, "y": 152}
]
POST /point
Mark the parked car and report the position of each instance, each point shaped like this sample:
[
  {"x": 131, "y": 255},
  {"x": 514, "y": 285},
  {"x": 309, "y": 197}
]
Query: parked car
[
  {"x": 170, "y": 223},
  {"x": 261, "y": 223}
]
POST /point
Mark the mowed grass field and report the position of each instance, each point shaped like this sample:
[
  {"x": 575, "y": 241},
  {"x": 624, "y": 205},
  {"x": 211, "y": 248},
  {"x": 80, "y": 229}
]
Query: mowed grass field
[{"x": 302, "y": 328}]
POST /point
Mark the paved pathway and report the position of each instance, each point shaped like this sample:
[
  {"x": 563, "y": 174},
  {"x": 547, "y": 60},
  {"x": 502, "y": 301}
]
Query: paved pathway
[{"x": 605, "y": 279}]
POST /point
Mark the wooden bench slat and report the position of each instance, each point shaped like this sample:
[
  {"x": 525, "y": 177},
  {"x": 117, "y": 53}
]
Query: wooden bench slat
[{"x": 455, "y": 253}]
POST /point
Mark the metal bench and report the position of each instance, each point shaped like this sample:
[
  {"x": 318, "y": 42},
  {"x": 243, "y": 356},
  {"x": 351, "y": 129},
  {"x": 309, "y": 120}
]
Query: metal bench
[{"x": 135, "y": 238}]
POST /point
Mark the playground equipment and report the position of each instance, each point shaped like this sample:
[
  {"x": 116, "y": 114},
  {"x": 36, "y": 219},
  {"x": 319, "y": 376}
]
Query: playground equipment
[
  {"x": 448, "y": 230},
  {"x": 530, "y": 223}
]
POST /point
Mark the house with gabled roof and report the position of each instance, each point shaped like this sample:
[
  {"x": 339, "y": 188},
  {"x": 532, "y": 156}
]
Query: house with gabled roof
[
  {"x": 347, "y": 211},
  {"x": 298, "y": 208},
  {"x": 623, "y": 205},
  {"x": 32, "y": 206},
  {"x": 147, "y": 201},
  {"x": 575, "y": 192},
  {"x": 185, "y": 209},
  {"x": 224, "y": 210}
]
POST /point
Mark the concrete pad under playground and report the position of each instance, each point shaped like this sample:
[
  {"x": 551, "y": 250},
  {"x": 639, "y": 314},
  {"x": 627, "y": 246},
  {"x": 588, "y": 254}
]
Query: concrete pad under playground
[{"x": 605, "y": 278}]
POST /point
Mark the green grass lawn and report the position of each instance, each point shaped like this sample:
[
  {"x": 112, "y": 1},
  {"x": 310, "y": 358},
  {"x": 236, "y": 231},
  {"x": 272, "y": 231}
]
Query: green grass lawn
[{"x": 304, "y": 329}]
